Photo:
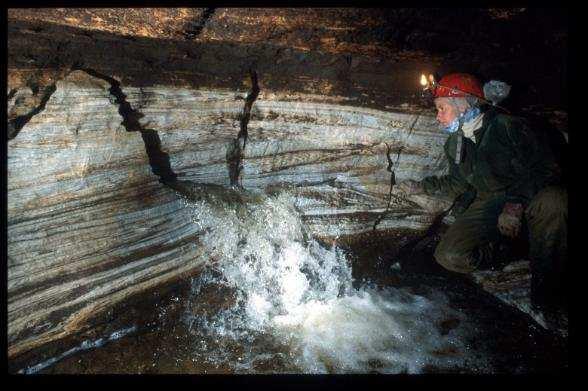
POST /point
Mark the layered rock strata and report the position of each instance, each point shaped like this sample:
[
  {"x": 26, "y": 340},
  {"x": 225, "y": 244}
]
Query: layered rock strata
[
  {"x": 91, "y": 221},
  {"x": 88, "y": 222},
  {"x": 115, "y": 114}
]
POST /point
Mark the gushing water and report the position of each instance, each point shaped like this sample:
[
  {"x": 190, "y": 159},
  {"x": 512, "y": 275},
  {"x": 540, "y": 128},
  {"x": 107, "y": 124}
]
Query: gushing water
[{"x": 290, "y": 301}]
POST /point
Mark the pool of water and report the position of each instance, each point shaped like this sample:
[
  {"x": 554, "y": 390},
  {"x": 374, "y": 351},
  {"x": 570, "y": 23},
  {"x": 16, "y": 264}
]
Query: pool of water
[{"x": 275, "y": 300}]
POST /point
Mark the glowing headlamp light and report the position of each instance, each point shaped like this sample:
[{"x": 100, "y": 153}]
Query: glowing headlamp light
[{"x": 428, "y": 83}]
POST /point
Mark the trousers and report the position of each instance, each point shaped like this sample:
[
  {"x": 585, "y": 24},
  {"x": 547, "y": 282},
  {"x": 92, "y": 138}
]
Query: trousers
[{"x": 473, "y": 239}]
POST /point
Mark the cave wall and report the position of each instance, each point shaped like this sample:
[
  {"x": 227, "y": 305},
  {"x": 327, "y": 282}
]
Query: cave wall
[
  {"x": 105, "y": 105},
  {"x": 90, "y": 223}
]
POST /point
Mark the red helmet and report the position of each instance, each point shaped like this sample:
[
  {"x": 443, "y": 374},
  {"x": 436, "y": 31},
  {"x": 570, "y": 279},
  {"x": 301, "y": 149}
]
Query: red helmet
[{"x": 458, "y": 85}]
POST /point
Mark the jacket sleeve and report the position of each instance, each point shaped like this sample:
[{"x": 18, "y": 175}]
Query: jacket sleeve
[
  {"x": 453, "y": 184},
  {"x": 530, "y": 162}
]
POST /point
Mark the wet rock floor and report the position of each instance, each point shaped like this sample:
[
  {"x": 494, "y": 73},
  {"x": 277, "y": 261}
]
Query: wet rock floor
[{"x": 162, "y": 343}]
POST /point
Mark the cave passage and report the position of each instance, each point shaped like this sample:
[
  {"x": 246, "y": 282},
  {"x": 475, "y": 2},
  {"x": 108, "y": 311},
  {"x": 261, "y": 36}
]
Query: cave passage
[{"x": 288, "y": 249}]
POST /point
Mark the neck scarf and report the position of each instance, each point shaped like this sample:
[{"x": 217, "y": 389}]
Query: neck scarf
[
  {"x": 472, "y": 125},
  {"x": 467, "y": 116}
]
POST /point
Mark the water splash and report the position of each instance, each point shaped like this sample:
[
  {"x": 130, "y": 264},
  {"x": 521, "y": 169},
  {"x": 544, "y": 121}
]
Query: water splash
[{"x": 290, "y": 300}]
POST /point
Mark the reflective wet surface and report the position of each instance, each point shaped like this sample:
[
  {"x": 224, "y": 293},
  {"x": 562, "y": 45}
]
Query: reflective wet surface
[{"x": 274, "y": 300}]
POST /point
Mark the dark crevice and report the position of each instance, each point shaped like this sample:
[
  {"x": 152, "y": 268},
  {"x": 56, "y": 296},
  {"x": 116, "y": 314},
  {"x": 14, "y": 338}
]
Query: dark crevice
[
  {"x": 158, "y": 160},
  {"x": 130, "y": 116},
  {"x": 237, "y": 147},
  {"x": 392, "y": 183},
  {"x": 249, "y": 99},
  {"x": 194, "y": 29},
  {"x": 11, "y": 94},
  {"x": 34, "y": 87},
  {"x": 15, "y": 125},
  {"x": 392, "y": 172}
]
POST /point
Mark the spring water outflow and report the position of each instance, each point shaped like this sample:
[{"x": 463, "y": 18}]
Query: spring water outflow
[{"x": 290, "y": 301}]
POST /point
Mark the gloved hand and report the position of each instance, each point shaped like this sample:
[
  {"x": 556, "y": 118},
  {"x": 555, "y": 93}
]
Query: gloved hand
[
  {"x": 408, "y": 187},
  {"x": 509, "y": 221}
]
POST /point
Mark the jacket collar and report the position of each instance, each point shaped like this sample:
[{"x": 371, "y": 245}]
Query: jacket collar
[{"x": 489, "y": 115}]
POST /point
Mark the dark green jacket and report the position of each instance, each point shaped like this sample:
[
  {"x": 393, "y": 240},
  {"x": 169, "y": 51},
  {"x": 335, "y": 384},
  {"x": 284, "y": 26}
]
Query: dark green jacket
[{"x": 508, "y": 159}]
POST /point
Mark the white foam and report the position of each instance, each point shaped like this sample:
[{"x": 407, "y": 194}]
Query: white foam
[
  {"x": 389, "y": 330},
  {"x": 289, "y": 287}
]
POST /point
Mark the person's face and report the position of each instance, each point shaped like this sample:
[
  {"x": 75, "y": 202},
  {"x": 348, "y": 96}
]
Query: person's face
[{"x": 446, "y": 112}]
